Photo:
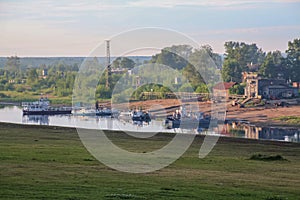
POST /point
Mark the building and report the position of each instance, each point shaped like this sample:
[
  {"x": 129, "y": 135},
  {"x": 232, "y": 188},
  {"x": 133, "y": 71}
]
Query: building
[
  {"x": 257, "y": 87},
  {"x": 221, "y": 90},
  {"x": 119, "y": 70},
  {"x": 44, "y": 73}
]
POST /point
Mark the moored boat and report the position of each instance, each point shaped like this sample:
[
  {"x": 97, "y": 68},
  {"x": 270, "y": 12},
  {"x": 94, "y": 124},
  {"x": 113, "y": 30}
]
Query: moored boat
[{"x": 42, "y": 107}]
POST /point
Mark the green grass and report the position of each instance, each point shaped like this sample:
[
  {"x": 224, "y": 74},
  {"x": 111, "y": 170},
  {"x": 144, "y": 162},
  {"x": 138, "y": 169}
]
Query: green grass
[
  {"x": 51, "y": 163},
  {"x": 292, "y": 120},
  {"x": 14, "y": 96}
]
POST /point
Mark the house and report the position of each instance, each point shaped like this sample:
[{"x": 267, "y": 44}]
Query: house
[
  {"x": 221, "y": 90},
  {"x": 257, "y": 87}
]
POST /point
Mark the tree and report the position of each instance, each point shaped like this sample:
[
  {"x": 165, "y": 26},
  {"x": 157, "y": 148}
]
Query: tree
[
  {"x": 127, "y": 63},
  {"x": 174, "y": 57},
  {"x": 205, "y": 62},
  {"x": 231, "y": 71},
  {"x": 243, "y": 54},
  {"x": 293, "y": 60},
  {"x": 192, "y": 75},
  {"x": 32, "y": 76},
  {"x": 237, "y": 89},
  {"x": 116, "y": 62},
  {"x": 272, "y": 67},
  {"x": 123, "y": 62},
  {"x": 13, "y": 64}
]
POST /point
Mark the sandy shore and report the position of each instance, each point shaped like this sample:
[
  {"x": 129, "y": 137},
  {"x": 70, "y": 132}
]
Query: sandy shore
[{"x": 259, "y": 115}]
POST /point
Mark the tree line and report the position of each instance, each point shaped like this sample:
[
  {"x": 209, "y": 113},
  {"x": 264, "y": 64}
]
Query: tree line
[{"x": 201, "y": 69}]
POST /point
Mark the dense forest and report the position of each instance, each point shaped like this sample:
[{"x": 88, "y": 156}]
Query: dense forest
[{"x": 189, "y": 69}]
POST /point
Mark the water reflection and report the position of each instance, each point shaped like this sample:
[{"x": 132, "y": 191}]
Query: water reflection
[
  {"x": 246, "y": 130},
  {"x": 243, "y": 129},
  {"x": 36, "y": 119}
]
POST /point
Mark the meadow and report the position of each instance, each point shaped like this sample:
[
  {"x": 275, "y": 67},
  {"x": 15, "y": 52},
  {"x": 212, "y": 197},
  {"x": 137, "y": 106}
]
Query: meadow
[{"x": 41, "y": 162}]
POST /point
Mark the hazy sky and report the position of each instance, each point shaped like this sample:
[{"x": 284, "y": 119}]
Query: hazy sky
[{"x": 75, "y": 28}]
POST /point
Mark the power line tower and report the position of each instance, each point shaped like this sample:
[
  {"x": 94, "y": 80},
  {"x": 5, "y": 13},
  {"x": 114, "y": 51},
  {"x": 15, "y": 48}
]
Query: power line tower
[{"x": 108, "y": 66}]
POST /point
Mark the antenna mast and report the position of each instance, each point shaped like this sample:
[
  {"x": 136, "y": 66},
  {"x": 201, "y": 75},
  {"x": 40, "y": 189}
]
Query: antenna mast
[{"x": 108, "y": 66}]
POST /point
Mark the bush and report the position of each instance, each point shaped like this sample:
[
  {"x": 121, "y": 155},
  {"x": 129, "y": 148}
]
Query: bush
[
  {"x": 267, "y": 158},
  {"x": 3, "y": 95}
]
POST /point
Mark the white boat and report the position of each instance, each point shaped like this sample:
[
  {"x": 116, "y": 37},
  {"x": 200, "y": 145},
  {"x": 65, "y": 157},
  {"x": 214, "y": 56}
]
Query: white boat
[{"x": 42, "y": 107}]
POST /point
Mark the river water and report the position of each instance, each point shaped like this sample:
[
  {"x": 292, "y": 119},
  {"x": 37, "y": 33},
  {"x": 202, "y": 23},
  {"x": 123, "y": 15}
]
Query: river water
[{"x": 13, "y": 114}]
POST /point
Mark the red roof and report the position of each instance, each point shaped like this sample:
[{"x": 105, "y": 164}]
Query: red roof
[{"x": 224, "y": 85}]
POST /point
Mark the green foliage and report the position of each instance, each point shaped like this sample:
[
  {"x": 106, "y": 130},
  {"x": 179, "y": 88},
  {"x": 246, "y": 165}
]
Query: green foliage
[
  {"x": 51, "y": 163},
  {"x": 266, "y": 158},
  {"x": 202, "y": 88},
  {"x": 13, "y": 64},
  {"x": 292, "y": 120},
  {"x": 192, "y": 75},
  {"x": 162, "y": 90},
  {"x": 237, "y": 89},
  {"x": 123, "y": 62},
  {"x": 238, "y": 56},
  {"x": 186, "y": 88},
  {"x": 293, "y": 60},
  {"x": 273, "y": 65},
  {"x": 103, "y": 92},
  {"x": 171, "y": 57},
  {"x": 231, "y": 71}
]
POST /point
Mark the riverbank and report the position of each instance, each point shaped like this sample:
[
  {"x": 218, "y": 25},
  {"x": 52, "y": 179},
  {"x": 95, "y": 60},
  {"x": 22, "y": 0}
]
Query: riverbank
[
  {"x": 40, "y": 162},
  {"x": 262, "y": 116}
]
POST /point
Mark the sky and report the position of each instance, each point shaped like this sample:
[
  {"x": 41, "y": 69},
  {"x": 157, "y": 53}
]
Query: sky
[{"x": 76, "y": 27}]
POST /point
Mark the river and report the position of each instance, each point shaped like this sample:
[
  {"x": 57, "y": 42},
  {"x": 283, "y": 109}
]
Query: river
[{"x": 13, "y": 114}]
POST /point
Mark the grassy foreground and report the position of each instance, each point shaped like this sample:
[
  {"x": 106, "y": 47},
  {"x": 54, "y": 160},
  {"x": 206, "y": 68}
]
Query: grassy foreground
[{"x": 51, "y": 163}]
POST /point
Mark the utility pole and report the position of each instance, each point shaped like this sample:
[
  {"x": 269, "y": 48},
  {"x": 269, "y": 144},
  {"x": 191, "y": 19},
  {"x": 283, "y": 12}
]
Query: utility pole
[{"x": 108, "y": 66}]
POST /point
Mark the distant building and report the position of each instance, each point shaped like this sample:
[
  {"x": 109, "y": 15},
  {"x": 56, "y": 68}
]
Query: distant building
[
  {"x": 45, "y": 72},
  {"x": 119, "y": 70},
  {"x": 177, "y": 80},
  {"x": 257, "y": 87},
  {"x": 221, "y": 90}
]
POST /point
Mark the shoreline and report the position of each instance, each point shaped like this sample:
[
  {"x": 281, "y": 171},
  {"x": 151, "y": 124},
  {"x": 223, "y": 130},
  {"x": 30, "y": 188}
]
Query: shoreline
[
  {"x": 67, "y": 128},
  {"x": 259, "y": 116}
]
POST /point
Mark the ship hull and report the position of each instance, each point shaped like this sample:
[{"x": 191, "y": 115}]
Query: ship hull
[{"x": 47, "y": 112}]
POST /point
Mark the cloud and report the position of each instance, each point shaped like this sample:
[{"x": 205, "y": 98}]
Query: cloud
[
  {"x": 204, "y": 3},
  {"x": 30, "y": 7}
]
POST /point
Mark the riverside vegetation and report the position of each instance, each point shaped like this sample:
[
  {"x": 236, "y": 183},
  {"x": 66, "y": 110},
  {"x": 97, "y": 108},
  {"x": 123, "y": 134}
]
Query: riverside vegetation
[
  {"x": 40, "y": 162},
  {"x": 26, "y": 78}
]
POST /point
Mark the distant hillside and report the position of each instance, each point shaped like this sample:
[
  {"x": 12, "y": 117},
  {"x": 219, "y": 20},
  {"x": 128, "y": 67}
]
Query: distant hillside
[{"x": 38, "y": 61}]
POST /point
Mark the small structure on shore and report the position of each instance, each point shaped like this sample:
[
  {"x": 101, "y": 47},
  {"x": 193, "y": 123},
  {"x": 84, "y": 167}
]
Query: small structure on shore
[
  {"x": 258, "y": 87},
  {"x": 221, "y": 90}
]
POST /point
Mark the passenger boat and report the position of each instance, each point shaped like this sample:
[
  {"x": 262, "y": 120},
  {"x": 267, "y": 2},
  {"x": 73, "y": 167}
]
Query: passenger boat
[{"x": 42, "y": 107}]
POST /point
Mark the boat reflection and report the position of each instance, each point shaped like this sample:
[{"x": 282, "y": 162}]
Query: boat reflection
[{"x": 36, "y": 119}]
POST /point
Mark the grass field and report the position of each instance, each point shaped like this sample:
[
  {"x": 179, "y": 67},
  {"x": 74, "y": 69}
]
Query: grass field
[
  {"x": 51, "y": 163},
  {"x": 292, "y": 120}
]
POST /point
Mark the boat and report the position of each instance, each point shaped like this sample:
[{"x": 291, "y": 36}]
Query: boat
[
  {"x": 84, "y": 112},
  {"x": 104, "y": 112},
  {"x": 178, "y": 120},
  {"x": 42, "y": 107},
  {"x": 141, "y": 116}
]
